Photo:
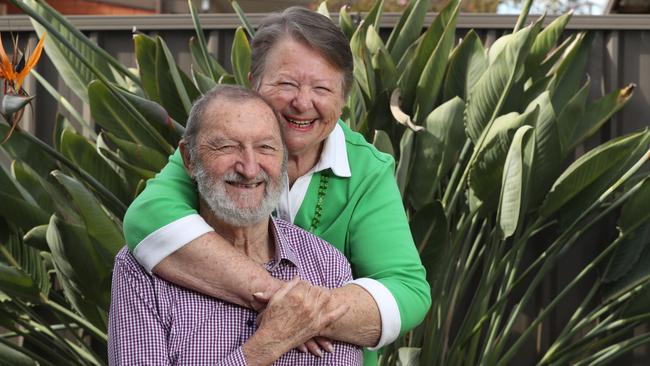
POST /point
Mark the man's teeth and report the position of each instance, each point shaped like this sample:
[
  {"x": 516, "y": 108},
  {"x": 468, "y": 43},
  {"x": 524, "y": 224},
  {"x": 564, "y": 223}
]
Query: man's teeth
[
  {"x": 300, "y": 123},
  {"x": 246, "y": 185}
]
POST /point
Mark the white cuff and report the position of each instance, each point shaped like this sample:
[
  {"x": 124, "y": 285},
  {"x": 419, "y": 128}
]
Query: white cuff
[
  {"x": 169, "y": 238},
  {"x": 391, "y": 322}
]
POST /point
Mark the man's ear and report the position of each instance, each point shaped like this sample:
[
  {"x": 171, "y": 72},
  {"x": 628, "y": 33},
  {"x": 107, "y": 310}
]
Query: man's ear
[{"x": 185, "y": 153}]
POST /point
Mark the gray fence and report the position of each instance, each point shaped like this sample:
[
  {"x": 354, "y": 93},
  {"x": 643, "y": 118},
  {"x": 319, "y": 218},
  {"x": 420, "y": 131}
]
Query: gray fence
[{"x": 620, "y": 55}]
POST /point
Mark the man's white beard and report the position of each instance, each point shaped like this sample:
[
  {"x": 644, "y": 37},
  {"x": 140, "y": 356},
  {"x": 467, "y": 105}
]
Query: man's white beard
[{"x": 213, "y": 191}]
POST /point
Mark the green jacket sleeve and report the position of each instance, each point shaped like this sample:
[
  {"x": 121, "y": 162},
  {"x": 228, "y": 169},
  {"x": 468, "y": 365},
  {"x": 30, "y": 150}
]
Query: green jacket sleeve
[
  {"x": 381, "y": 246},
  {"x": 169, "y": 196}
]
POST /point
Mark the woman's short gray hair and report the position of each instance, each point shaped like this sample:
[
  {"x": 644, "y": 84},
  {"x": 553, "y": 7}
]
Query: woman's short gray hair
[{"x": 313, "y": 29}]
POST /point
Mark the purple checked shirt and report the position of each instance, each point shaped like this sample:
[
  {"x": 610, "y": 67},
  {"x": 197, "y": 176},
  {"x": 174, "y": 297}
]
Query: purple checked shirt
[{"x": 154, "y": 322}]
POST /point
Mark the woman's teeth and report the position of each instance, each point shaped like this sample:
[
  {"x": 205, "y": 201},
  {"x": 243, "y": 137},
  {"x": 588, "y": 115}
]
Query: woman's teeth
[{"x": 300, "y": 123}]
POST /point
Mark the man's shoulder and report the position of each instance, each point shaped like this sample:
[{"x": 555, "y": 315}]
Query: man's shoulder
[{"x": 308, "y": 246}]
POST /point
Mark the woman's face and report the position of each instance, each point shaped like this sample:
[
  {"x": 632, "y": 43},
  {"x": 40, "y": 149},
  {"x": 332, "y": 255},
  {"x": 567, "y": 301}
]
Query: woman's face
[{"x": 305, "y": 90}]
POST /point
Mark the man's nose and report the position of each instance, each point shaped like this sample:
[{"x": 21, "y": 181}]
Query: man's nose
[{"x": 247, "y": 164}]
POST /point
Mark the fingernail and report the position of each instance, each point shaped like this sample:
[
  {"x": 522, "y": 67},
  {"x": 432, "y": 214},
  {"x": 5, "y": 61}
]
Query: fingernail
[
  {"x": 258, "y": 294},
  {"x": 319, "y": 352},
  {"x": 302, "y": 348},
  {"x": 328, "y": 347}
]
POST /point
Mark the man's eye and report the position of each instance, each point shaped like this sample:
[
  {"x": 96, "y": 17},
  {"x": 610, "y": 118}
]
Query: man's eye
[{"x": 226, "y": 148}]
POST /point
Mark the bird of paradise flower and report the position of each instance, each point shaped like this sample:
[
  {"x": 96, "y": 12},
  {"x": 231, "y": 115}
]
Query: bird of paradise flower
[{"x": 14, "y": 71}]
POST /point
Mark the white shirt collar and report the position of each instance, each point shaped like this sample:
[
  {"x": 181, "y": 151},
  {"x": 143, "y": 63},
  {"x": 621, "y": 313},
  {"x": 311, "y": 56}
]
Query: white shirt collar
[{"x": 334, "y": 155}]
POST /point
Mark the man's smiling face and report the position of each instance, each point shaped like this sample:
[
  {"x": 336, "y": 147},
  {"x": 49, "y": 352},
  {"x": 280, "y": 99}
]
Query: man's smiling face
[{"x": 239, "y": 160}]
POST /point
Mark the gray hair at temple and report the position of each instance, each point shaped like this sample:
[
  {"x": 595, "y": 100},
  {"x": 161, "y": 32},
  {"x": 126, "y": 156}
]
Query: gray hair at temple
[
  {"x": 311, "y": 28},
  {"x": 231, "y": 93}
]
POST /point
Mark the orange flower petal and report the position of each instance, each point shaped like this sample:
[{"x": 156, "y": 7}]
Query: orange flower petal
[
  {"x": 5, "y": 64},
  {"x": 31, "y": 62}
]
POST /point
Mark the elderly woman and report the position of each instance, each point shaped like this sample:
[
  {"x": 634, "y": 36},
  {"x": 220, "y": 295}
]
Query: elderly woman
[{"x": 341, "y": 189}]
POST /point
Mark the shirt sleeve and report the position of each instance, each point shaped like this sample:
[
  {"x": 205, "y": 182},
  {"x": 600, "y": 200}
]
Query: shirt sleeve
[
  {"x": 383, "y": 254},
  {"x": 136, "y": 335},
  {"x": 164, "y": 216}
]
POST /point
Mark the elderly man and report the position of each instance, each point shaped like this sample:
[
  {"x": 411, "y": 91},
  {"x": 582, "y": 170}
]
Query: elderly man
[{"x": 234, "y": 150}]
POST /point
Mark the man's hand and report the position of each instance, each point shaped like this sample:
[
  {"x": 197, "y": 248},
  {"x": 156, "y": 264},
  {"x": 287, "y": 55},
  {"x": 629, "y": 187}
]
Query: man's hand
[{"x": 296, "y": 313}]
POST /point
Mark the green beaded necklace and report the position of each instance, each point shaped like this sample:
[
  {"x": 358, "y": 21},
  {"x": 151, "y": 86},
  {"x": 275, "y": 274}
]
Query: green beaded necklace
[{"x": 322, "y": 190}]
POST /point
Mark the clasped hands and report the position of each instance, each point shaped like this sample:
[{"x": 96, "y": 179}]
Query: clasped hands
[{"x": 298, "y": 313}]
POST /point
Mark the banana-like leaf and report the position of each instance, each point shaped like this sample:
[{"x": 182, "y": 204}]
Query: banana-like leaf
[
  {"x": 39, "y": 190},
  {"x": 145, "y": 55},
  {"x": 629, "y": 251},
  {"x": 408, "y": 28},
  {"x": 382, "y": 142},
  {"x": 345, "y": 22},
  {"x": 200, "y": 51},
  {"x": 512, "y": 185},
  {"x": 373, "y": 18},
  {"x": 12, "y": 357},
  {"x": 363, "y": 72},
  {"x": 22, "y": 211},
  {"x": 570, "y": 115},
  {"x": 199, "y": 60},
  {"x": 434, "y": 44},
  {"x": 30, "y": 262},
  {"x": 485, "y": 175},
  {"x": 21, "y": 147},
  {"x": 242, "y": 17},
  {"x": 132, "y": 170},
  {"x": 434, "y": 151},
  {"x": 594, "y": 172},
  {"x": 173, "y": 92},
  {"x": 547, "y": 156},
  {"x": 486, "y": 98},
  {"x": 635, "y": 211},
  {"x": 545, "y": 41},
  {"x": 102, "y": 229},
  {"x": 599, "y": 112},
  {"x": 35, "y": 238},
  {"x": 466, "y": 65},
  {"x": 202, "y": 82},
  {"x": 138, "y": 155},
  {"x": 12, "y": 103},
  {"x": 113, "y": 117},
  {"x": 241, "y": 57},
  {"x": 569, "y": 73},
  {"x": 16, "y": 283},
  {"x": 84, "y": 154},
  {"x": 81, "y": 271},
  {"x": 383, "y": 66},
  {"x": 71, "y": 69},
  {"x": 403, "y": 172}
]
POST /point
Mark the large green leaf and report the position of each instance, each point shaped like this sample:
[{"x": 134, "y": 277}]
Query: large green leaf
[
  {"x": 432, "y": 48},
  {"x": 84, "y": 154},
  {"x": 172, "y": 90},
  {"x": 466, "y": 65},
  {"x": 431, "y": 236},
  {"x": 545, "y": 41},
  {"x": 512, "y": 185},
  {"x": 82, "y": 273},
  {"x": 569, "y": 73},
  {"x": 102, "y": 229},
  {"x": 408, "y": 28},
  {"x": 158, "y": 118},
  {"x": 486, "y": 98},
  {"x": 71, "y": 69},
  {"x": 435, "y": 149},
  {"x": 594, "y": 172},
  {"x": 39, "y": 190},
  {"x": 133, "y": 172},
  {"x": 109, "y": 113},
  {"x": 345, "y": 21},
  {"x": 403, "y": 172},
  {"x": 202, "y": 82},
  {"x": 22, "y": 148},
  {"x": 15, "y": 282},
  {"x": 382, "y": 142},
  {"x": 29, "y": 261},
  {"x": 628, "y": 253},
  {"x": 547, "y": 156},
  {"x": 11, "y": 357},
  {"x": 635, "y": 211},
  {"x": 569, "y": 117},
  {"x": 383, "y": 66},
  {"x": 16, "y": 209},
  {"x": 145, "y": 55},
  {"x": 138, "y": 155},
  {"x": 485, "y": 175},
  {"x": 241, "y": 57},
  {"x": 431, "y": 77},
  {"x": 598, "y": 112}
]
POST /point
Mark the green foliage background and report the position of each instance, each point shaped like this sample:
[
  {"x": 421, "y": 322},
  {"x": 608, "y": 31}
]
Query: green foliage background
[{"x": 484, "y": 138}]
